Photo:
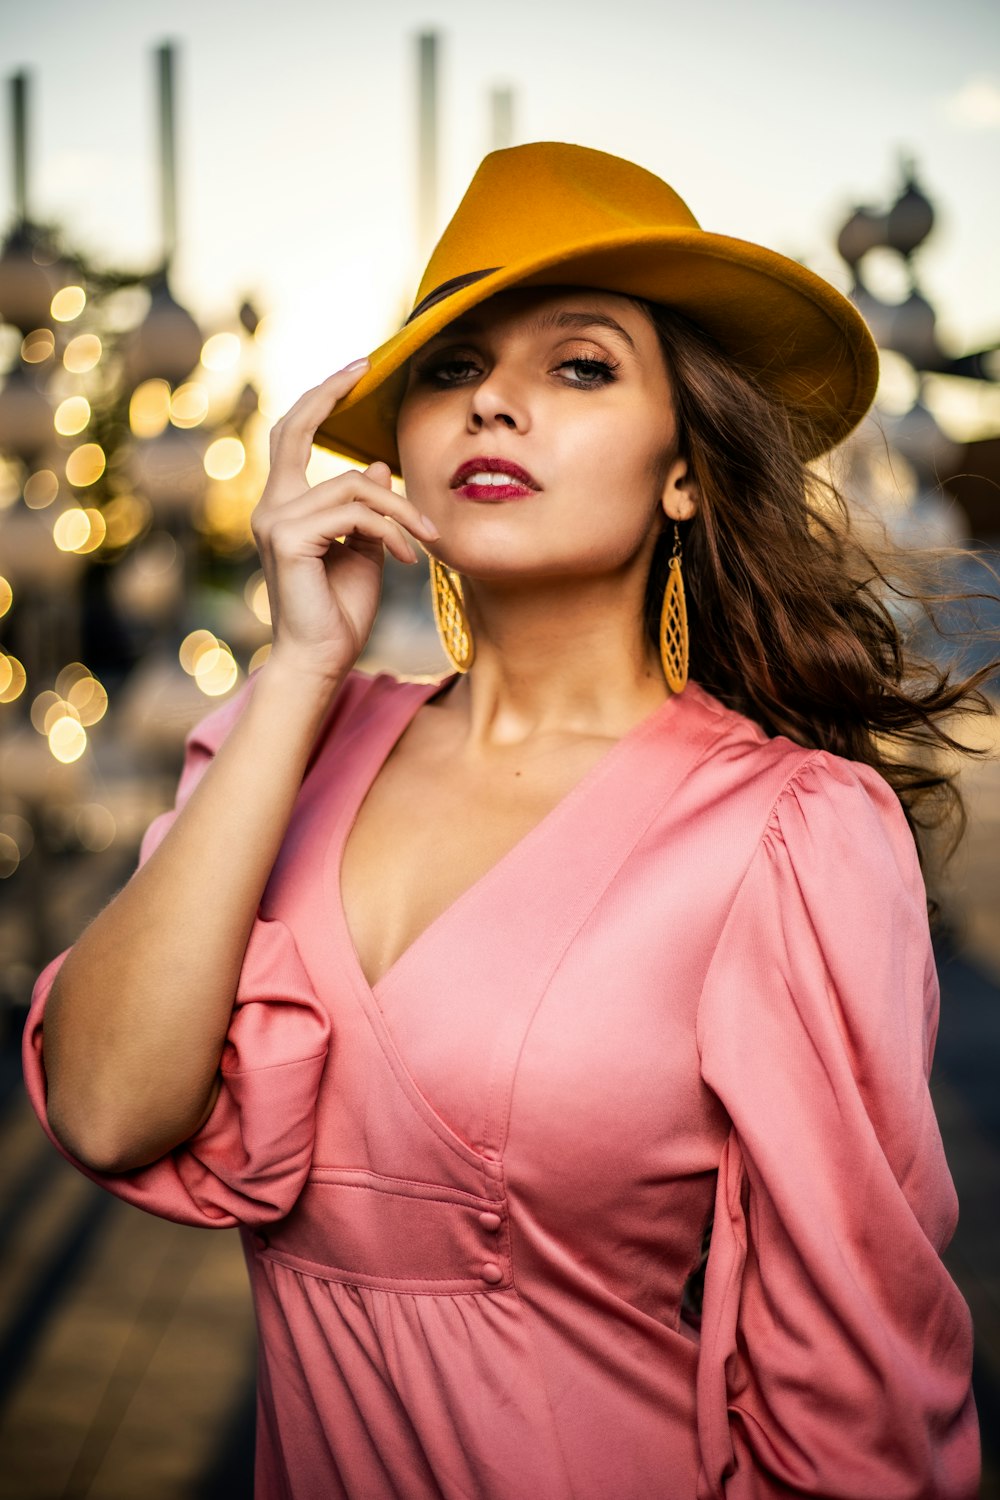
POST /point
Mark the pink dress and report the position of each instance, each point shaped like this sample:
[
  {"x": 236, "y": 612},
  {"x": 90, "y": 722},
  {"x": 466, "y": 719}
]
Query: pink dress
[{"x": 470, "y": 1196}]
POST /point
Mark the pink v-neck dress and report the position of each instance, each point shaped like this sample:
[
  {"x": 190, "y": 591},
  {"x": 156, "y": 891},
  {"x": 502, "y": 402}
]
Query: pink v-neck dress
[{"x": 470, "y": 1196}]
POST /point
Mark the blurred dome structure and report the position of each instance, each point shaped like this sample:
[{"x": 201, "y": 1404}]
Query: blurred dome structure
[{"x": 921, "y": 380}]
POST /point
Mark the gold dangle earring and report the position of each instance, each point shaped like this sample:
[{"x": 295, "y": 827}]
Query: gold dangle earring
[
  {"x": 449, "y": 616},
  {"x": 674, "y": 624}
]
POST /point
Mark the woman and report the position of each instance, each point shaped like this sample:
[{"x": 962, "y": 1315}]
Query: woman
[{"x": 542, "y": 969}]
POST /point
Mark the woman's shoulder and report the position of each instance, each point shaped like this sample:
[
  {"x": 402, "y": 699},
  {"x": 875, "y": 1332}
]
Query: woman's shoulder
[
  {"x": 359, "y": 696},
  {"x": 807, "y": 795}
]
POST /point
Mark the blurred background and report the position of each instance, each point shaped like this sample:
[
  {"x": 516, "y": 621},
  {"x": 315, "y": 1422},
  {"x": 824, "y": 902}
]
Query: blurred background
[{"x": 202, "y": 213}]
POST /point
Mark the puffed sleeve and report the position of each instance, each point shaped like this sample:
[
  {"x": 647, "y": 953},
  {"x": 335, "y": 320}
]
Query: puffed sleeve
[
  {"x": 248, "y": 1161},
  {"x": 836, "y": 1351}
]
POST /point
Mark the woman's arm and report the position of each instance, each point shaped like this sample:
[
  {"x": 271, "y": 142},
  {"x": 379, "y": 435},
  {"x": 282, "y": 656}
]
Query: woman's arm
[
  {"x": 836, "y": 1351},
  {"x": 137, "y": 1017}
]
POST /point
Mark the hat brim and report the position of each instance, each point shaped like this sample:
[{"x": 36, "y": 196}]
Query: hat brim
[{"x": 796, "y": 333}]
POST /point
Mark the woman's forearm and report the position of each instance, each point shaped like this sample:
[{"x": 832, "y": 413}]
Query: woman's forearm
[{"x": 138, "y": 1013}]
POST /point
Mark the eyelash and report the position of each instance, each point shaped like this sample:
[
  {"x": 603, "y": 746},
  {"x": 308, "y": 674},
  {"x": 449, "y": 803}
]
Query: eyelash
[{"x": 431, "y": 371}]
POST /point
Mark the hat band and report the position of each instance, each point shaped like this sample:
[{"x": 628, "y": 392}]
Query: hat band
[{"x": 447, "y": 288}]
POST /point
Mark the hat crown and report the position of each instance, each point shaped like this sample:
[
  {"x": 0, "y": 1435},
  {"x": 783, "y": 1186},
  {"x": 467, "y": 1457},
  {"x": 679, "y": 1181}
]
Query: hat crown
[{"x": 526, "y": 201}]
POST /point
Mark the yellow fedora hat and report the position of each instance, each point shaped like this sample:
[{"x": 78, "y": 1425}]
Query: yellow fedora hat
[{"x": 551, "y": 213}]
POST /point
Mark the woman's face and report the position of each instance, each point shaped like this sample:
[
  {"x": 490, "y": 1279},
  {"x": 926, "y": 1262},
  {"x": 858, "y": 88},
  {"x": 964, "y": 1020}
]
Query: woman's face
[{"x": 571, "y": 385}]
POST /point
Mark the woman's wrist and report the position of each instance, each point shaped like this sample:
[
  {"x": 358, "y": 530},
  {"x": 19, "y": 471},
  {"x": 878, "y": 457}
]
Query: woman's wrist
[{"x": 295, "y": 685}]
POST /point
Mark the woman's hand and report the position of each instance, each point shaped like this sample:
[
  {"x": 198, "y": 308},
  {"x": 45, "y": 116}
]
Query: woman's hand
[{"x": 324, "y": 593}]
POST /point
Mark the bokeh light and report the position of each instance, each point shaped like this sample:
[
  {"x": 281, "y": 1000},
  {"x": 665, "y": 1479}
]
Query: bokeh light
[
  {"x": 189, "y": 405},
  {"x": 256, "y": 596},
  {"x": 226, "y": 511},
  {"x": 224, "y": 458},
  {"x": 71, "y": 529},
  {"x": 38, "y": 346},
  {"x": 216, "y": 671},
  {"x": 16, "y": 842},
  {"x": 6, "y": 595},
  {"x": 10, "y": 855},
  {"x": 82, "y": 353},
  {"x": 71, "y": 416},
  {"x": 40, "y": 489},
  {"x": 10, "y": 483},
  {"x": 149, "y": 408},
  {"x": 221, "y": 351},
  {"x": 125, "y": 518},
  {"x": 194, "y": 645},
  {"x": 68, "y": 303},
  {"x": 97, "y": 532},
  {"x": 85, "y": 465},
  {"x": 95, "y": 827},
  {"x": 12, "y": 678},
  {"x": 46, "y": 707},
  {"x": 67, "y": 738},
  {"x": 209, "y": 661},
  {"x": 90, "y": 699}
]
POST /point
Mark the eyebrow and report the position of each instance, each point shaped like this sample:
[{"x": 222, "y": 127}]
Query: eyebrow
[{"x": 563, "y": 318}]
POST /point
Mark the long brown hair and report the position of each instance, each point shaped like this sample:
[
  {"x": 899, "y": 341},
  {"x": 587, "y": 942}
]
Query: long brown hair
[{"x": 789, "y": 610}]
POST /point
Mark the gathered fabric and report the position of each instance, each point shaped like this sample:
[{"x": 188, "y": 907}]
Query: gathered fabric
[{"x": 471, "y": 1195}]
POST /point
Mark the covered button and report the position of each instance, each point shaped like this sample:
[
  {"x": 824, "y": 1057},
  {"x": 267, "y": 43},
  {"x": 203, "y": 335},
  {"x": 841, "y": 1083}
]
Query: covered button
[
  {"x": 491, "y": 1272},
  {"x": 490, "y": 1221}
]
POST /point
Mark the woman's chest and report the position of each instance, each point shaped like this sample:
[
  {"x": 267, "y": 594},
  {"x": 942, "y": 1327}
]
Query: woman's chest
[{"x": 426, "y": 833}]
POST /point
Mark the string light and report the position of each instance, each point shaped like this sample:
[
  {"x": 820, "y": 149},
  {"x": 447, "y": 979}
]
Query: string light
[
  {"x": 71, "y": 529},
  {"x": 221, "y": 351},
  {"x": 40, "y": 489},
  {"x": 38, "y": 346},
  {"x": 189, "y": 405},
  {"x": 12, "y": 678},
  {"x": 82, "y": 353},
  {"x": 72, "y": 416},
  {"x": 85, "y": 465},
  {"x": 68, "y": 303},
  {"x": 67, "y": 739},
  {"x": 209, "y": 661},
  {"x": 10, "y": 855},
  {"x": 125, "y": 518},
  {"x": 194, "y": 646},
  {"x": 256, "y": 596},
  {"x": 149, "y": 408},
  {"x": 225, "y": 458}
]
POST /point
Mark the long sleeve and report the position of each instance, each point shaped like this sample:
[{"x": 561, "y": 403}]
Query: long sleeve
[
  {"x": 248, "y": 1161},
  {"x": 836, "y": 1350}
]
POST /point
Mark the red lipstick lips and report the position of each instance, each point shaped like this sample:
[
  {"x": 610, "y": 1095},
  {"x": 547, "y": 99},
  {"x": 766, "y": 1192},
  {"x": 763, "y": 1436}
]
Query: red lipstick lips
[{"x": 521, "y": 483}]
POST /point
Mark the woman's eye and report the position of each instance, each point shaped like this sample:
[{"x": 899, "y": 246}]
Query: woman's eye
[
  {"x": 443, "y": 371},
  {"x": 592, "y": 371}
]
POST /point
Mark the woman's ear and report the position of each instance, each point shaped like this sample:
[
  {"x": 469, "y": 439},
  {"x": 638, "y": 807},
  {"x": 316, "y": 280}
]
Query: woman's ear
[{"x": 680, "y": 497}]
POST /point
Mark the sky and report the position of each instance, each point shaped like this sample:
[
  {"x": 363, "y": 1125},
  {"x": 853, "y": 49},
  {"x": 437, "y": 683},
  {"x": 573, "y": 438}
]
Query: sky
[{"x": 297, "y": 130}]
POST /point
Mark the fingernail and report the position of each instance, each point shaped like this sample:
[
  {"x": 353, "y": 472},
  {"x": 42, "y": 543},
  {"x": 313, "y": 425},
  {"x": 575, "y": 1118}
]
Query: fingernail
[
  {"x": 429, "y": 524},
  {"x": 357, "y": 363}
]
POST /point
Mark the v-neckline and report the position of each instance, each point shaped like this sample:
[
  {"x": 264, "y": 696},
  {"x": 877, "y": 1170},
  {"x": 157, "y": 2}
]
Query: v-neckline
[{"x": 398, "y": 724}]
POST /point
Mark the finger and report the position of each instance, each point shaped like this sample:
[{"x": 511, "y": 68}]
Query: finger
[
  {"x": 357, "y": 484},
  {"x": 396, "y": 540},
  {"x": 288, "y": 538},
  {"x": 292, "y": 435}
]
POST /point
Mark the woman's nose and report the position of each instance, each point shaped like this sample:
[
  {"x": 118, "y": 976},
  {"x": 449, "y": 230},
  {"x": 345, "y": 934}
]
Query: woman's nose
[{"x": 493, "y": 403}]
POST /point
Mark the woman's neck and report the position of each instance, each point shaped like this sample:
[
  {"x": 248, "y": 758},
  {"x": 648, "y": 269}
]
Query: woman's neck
[{"x": 562, "y": 656}]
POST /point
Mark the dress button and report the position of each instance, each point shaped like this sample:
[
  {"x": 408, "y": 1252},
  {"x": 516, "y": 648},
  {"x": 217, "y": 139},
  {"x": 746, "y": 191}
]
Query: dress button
[
  {"x": 490, "y": 1221},
  {"x": 491, "y": 1272}
]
